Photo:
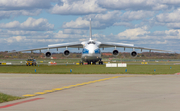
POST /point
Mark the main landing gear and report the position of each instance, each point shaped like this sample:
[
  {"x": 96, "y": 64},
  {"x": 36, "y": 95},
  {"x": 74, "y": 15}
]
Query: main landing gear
[
  {"x": 80, "y": 63},
  {"x": 100, "y": 62},
  {"x": 91, "y": 63}
]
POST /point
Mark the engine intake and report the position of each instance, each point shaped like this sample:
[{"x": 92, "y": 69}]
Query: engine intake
[
  {"x": 66, "y": 53},
  {"x": 115, "y": 52},
  {"x": 48, "y": 54},
  {"x": 133, "y": 53}
]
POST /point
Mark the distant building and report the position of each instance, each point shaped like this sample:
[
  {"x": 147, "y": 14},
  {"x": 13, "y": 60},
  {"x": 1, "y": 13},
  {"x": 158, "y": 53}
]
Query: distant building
[{"x": 107, "y": 54}]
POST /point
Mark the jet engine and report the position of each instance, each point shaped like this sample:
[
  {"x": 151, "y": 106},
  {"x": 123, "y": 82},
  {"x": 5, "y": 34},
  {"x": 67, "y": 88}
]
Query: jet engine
[
  {"x": 48, "y": 54},
  {"x": 115, "y": 52},
  {"x": 133, "y": 53},
  {"x": 66, "y": 53}
]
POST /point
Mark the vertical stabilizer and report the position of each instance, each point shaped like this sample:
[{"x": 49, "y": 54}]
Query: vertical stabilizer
[{"x": 90, "y": 31}]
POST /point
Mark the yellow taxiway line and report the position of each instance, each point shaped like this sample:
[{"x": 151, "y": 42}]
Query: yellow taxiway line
[{"x": 71, "y": 86}]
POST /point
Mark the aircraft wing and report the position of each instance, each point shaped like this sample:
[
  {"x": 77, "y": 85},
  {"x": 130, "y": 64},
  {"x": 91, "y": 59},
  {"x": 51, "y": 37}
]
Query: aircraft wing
[
  {"x": 53, "y": 46},
  {"x": 122, "y": 45},
  {"x": 64, "y": 45},
  {"x": 112, "y": 44}
]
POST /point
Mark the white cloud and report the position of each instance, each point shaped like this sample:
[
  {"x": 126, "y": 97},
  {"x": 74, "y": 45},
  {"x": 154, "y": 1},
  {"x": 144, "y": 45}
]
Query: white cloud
[
  {"x": 102, "y": 21},
  {"x": 171, "y": 19},
  {"x": 69, "y": 37},
  {"x": 136, "y": 33},
  {"x": 77, "y": 7},
  {"x": 30, "y": 24},
  {"x": 15, "y": 39},
  {"x": 21, "y": 32},
  {"x": 14, "y": 13},
  {"x": 152, "y": 42},
  {"x": 13, "y": 8},
  {"x": 110, "y": 15},
  {"x": 8, "y": 34},
  {"x": 172, "y": 3},
  {"x": 60, "y": 34},
  {"x": 74, "y": 31},
  {"x": 126, "y": 24},
  {"x": 24, "y": 4},
  {"x": 172, "y": 34},
  {"x": 20, "y": 40},
  {"x": 139, "y": 4},
  {"x": 173, "y": 25},
  {"x": 27, "y": 12},
  {"x": 136, "y": 15},
  {"x": 130, "y": 4},
  {"x": 81, "y": 23}
]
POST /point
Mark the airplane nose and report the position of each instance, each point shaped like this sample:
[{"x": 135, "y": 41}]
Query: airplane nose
[{"x": 91, "y": 51}]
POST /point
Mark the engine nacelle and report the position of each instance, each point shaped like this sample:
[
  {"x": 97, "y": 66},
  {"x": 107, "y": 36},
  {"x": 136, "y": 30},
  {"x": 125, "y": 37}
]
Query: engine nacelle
[
  {"x": 66, "y": 53},
  {"x": 133, "y": 53},
  {"x": 115, "y": 52},
  {"x": 48, "y": 54}
]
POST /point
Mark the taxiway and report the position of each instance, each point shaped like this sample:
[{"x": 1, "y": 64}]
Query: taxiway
[{"x": 123, "y": 92}]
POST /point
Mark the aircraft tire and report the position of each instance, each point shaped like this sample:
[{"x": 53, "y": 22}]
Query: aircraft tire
[
  {"x": 100, "y": 62},
  {"x": 80, "y": 63}
]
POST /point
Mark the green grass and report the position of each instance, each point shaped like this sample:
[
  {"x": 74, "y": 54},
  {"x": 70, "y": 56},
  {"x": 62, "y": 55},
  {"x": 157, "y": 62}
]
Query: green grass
[
  {"x": 92, "y": 69},
  {"x": 6, "y": 98}
]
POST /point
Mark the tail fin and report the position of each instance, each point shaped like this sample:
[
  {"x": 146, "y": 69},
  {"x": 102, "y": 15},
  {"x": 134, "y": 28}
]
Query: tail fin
[{"x": 90, "y": 31}]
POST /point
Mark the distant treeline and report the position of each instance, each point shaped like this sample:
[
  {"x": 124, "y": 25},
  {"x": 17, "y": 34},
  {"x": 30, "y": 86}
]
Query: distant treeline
[{"x": 125, "y": 55}]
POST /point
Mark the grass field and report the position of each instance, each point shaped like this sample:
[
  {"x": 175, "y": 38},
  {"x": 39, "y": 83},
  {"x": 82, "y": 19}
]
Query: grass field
[
  {"x": 6, "y": 98},
  {"x": 92, "y": 69}
]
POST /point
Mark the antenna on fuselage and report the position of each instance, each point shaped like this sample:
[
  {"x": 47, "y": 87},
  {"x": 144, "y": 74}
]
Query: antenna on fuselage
[{"x": 90, "y": 31}]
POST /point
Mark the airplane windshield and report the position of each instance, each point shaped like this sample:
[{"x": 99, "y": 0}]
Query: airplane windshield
[{"x": 91, "y": 43}]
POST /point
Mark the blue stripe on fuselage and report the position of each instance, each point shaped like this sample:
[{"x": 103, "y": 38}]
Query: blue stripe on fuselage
[
  {"x": 85, "y": 51},
  {"x": 97, "y": 51}
]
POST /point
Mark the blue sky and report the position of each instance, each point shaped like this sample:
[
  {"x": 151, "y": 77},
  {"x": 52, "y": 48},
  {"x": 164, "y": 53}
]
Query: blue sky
[{"x": 26, "y": 24}]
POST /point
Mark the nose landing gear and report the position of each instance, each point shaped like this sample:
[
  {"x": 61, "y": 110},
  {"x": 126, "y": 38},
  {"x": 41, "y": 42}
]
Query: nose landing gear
[
  {"x": 100, "y": 62},
  {"x": 91, "y": 63}
]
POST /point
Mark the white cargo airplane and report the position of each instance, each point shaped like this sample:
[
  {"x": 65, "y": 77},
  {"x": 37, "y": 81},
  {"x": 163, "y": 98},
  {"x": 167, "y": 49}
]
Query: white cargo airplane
[{"x": 91, "y": 52}]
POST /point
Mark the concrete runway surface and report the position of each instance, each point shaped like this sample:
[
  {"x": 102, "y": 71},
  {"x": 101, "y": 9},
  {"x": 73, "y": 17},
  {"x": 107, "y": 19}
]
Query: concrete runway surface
[{"x": 123, "y": 92}]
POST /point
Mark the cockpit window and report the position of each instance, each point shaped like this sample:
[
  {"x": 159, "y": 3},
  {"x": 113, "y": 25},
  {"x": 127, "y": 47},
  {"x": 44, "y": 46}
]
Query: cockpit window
[{"x": 91, "y": 43}]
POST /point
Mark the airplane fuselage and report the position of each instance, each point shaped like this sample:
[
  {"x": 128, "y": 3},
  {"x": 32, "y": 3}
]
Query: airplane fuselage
[{"x": 91, "y": 52}]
